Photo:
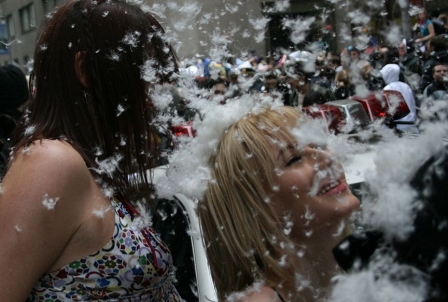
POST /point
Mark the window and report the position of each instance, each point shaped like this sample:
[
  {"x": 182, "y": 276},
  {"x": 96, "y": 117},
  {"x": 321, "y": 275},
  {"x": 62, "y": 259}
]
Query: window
[
  {"x": 10, "y": 27},
  {"x": 27, "y": 18},
  {"x": 50, "y": 5},
  {"x": 3, "y": 37}
]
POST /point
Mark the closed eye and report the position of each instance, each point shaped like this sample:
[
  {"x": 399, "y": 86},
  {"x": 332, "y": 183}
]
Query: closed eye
[{"x": 293, "y": 160}]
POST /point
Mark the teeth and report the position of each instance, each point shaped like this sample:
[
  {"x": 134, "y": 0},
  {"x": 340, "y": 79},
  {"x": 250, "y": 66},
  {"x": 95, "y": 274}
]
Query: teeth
[{"x": 329, "y": 187}]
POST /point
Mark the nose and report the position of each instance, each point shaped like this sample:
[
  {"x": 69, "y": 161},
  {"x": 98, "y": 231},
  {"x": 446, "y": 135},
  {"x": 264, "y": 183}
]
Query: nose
[
  {"x": 323, "y": 158},
  {"x": 326, "y": 164}
]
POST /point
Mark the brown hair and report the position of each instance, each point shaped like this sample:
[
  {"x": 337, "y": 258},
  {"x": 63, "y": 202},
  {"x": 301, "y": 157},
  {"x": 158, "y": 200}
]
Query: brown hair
[{"x": 112, "y": 112}]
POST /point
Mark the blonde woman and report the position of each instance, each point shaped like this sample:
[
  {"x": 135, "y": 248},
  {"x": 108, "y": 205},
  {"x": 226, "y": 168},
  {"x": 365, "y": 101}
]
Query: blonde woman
[{"x": 273, "y": 210}]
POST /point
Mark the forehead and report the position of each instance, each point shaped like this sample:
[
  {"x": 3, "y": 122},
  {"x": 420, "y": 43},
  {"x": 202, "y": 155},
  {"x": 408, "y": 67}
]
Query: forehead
[
  {"x": 220, "y": 86},
  {"x": 440, "y": 67},
  {"x": 278, "y": 144},
  {"x": 279, "y": 134}
]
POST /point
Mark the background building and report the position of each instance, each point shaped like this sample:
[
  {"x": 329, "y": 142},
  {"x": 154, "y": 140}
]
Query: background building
[
  {"x": 22, "y": 18},
  {"x": 217, "y": 28}
]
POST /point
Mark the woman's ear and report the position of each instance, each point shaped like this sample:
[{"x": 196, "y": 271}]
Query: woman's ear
[{"x": 80, "y": 68}]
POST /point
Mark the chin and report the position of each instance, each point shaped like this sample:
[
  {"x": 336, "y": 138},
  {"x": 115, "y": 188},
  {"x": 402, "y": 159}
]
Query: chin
[
  {"x": 348, "y": 203},
  {"x": 345, "y": 205}
]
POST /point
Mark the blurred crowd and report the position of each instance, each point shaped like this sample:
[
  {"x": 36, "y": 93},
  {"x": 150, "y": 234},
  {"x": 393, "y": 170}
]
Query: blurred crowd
[{"x": 303, "y": 78}]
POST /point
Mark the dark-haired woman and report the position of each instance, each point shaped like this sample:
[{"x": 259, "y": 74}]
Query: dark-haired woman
[{"x": 70, "y": 229}]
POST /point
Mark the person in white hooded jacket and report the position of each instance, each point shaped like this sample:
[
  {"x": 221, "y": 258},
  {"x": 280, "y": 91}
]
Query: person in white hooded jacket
[{"x": 391, "y": 75}]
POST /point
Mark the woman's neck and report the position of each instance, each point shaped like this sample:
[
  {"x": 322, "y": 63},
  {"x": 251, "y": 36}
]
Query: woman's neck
[{"x": 315, "y": 265}]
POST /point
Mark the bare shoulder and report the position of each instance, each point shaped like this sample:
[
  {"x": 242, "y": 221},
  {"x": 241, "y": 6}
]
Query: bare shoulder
[
  {"x": 44, "y": 195},
  {"x": 47, "y": 152},
  {"x": 49, "y": 164},
  {"x": 47, "y": 172},
  {"x": 260, "y": 294}
]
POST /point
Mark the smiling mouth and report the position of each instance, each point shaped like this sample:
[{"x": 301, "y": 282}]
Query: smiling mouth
[{"x": 334, "y": 187}]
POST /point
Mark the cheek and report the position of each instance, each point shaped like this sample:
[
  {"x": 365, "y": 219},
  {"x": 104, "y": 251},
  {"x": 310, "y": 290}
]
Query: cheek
[
  {"x": 298, "y": 180},
  {"x": 310, "y": 212},
  {"x": 332, "y": 209},
  {"x": 292, "y": 188}
]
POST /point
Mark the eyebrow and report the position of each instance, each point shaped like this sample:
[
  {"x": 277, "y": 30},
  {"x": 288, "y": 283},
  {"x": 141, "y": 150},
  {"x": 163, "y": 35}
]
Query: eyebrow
[{"x": 281, "y": 151}]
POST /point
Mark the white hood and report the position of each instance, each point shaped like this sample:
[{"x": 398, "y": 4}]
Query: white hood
[{"x": 390, "y": 73}]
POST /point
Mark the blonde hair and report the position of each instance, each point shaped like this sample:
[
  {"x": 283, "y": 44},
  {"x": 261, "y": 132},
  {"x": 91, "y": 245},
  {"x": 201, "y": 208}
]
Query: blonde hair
[
  {"x": 243, "y": 235},
  {"x": 344, "y": 77}
]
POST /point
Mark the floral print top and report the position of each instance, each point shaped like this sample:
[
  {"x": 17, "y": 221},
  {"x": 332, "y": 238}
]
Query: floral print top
[{"x": 128, "y": 269}]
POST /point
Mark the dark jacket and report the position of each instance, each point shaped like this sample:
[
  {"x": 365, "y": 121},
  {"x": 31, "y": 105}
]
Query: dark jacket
[
  {"x": 437, "y": 90},
  {"x": 435, "y": 57},
  {"x": 411, "y": 63}
]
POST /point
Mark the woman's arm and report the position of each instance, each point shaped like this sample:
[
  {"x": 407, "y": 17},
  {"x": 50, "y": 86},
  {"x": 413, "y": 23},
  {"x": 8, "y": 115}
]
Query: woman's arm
[
  {"x": 40, "y": 210},
  {"x": 432, "y": 33}
]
